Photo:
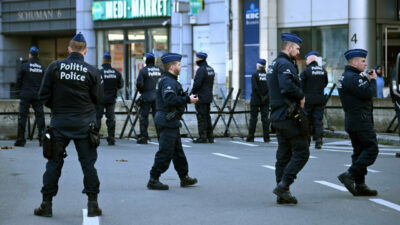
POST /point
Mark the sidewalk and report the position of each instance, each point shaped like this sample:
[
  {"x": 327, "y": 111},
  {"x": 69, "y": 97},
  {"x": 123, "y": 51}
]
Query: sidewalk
[{"x": 383, "y": 138}]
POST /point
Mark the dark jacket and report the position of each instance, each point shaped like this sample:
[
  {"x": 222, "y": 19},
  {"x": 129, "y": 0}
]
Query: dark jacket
[
  {"x": 283, "y": 83},
  {"x": 71, "y": 88},
  {"x": 356, "y": 93},
  {"x": 259, "y": 88},
  {"x": 204, "y": 82},
  {"x": 29, "y": 78},
  {"x": 112, "y": 82},
  {"x": 395, "y": 98},
  {"x": 146, "y": 82},
  {"x": 314, "y": 79},
  {"x": 170, "y": 97}
]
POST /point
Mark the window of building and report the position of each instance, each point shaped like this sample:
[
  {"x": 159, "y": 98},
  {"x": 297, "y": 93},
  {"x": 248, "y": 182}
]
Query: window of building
[{"x": 329, "y": 41}]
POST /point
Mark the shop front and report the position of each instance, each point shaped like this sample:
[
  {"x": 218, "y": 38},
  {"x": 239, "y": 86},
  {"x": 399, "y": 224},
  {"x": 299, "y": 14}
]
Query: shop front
[{"x": 128, "y": 29}]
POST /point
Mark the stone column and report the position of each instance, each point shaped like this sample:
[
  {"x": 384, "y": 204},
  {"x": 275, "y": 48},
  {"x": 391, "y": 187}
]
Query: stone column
[
  {"x": 362, "y": 28},
  {"x": 85, "y": 25},
  {"x": 237, "y": 45},
  {"x": 268, "y": 30}
]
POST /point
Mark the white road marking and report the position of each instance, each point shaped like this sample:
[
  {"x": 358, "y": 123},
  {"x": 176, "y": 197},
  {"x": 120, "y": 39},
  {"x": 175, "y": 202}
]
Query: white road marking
[
  {"x": 269, "y": 167},
  {"x": 153, "y": 143},
  {"x": 226, "y": 156},
  {"x": 369, "y": 170},
  {"x": 351, "y": 148},
  {"x": 186, "y": 146},
  {"x": 334, "y": 150},
  {"x": 332, "y": 185},
  {"x": 242, "y": 143},
  {"x": 313, "y": 157},
  {"x": 386, "y": 203},
  {"x": 89, "y": 220}
]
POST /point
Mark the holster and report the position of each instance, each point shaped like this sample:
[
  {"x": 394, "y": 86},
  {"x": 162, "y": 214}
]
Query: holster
[
  {"x": 94, "y": 136},
  {"x": 173, "y": 115},
  {"x": 50, "y": 146},
  {"x": 297, "y": 114},
  {"x": 265, "y": 99}
]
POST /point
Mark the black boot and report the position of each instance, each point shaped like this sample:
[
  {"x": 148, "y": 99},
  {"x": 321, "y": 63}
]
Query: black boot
[
  {"x": 45, "y": 209},
  {"x": 364, "y": 190},
  {"x": 398, "y": 154},
  {"x": 267, "y": 139},
  {"x": 141, "y": 140},
  {"x": 201, "y": 139},
  {"x": 318, "y": 143},
  {"x": 250, "y": 139},
  {"x": 20, "y": 142},
  {"x": 155, "y": 184},
  {"x": 111, "y": 137},
  {"x": 283, "y": 193},
  {"x": 93, "y": 206},
  {"x": 188, "y": 181},
  {"x": 348, "y": 180}
]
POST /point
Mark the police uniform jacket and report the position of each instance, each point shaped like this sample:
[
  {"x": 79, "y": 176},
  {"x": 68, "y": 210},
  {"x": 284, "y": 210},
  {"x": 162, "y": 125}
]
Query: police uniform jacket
[
  {"x": 395, "y": 98},
  {"x": 146, "y": 82},
  {"x": 203, "y": 82},
  {"x": 259, "y": 87},
  {"x": 314, "y": 79},
  {"x": 71, "y": 89},
  {"x": 112, "y": 82},
  {"x": 283, "y": 83},
  {"x": 29, "y": 78},
  {"x": 356, "y": 93},
  {"x": 170, "y": 97}
]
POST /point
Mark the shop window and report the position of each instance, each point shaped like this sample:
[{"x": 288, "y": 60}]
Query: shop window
[
  {"x": 115, "y": 35},
  {"x": 136, "y": 35},
  {"x": 158, "y": 43}
]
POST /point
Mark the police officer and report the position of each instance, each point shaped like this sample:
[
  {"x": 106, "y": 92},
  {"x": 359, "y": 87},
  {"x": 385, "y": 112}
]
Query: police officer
[
  {"x": 170, "y": 102},
  {"x": 356, "y": 90},
  {"x": 146, "y": 84},
  {"x": 259, "y": 101},
  {"x": 396, "y": 101},
  {"x": 29, "y": 79},
  {"x": 203, "y": 88},
  {"x": 71, "y": 89},
  {"x": 314, "y": 79},
  {"x": 112, "y": 82},
  {"x": 285, "y": 93}
]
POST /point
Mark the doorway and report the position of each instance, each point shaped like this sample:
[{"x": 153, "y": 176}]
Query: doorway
[
  {"x": 135, "y": 53},
  {"x": 391, "y": 48}
]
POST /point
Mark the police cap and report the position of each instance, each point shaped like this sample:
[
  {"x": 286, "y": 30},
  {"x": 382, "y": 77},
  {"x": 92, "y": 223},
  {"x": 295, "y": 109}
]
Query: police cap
[
  {"x": 349, "y": 54},
  {"x": 149, "y": 55},
  {"x": 79, "y": 37},
  {"x": 292, "y": 38},
  {"x": 34, "y": 51},
  {"x": 311, "y": 53},
  {"x": 261, "y": 62},
  {"x": 171, "y": 57},
  {"x": 201, "y": 55},
  {"x": 106, "y": 55}
]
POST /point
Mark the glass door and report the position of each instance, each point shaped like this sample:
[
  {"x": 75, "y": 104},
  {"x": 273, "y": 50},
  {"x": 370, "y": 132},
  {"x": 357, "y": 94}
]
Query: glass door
[
  {"x": 391, "y": 48},
  {"x": 135, "y": 54}
]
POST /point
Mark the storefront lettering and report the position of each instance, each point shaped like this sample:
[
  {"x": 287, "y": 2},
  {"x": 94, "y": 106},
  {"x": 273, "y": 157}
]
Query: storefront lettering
[
  {"x": 129, "y": 9},
  {"x": 39, "y": 15}
]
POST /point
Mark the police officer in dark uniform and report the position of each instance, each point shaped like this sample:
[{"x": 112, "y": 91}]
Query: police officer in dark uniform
[
  {"x": 356, "y": 90},
  {"x": 71, "y": 89},
  {"x": 285, "y": 93},
  {"x": 112, "y": 82},
  {"x": 146, "y": 85},
  {"x": 203, "y": 88},
  {"x": 29, "y": 79},
  {"x": 396, "y": 101},
  {"x": 259, "y": 101},
  {"x": 314, "y": 79},
  {"x": 170, "y": 102}
]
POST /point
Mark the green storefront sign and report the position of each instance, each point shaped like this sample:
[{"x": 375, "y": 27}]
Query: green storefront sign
[
  {"x": 196, "y": 6},
  {"x": 130, "y": 9}
]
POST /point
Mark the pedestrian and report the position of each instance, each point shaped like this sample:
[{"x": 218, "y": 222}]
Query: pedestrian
[
  {"x": 146, "y": 85},
  {"x": 203, "y": 88},
  {"x": 71, "y": 89},
  {"x": 356, "y": 90},
  {"x": 314, "y": 79},
  {"x": 29, "y": 78},
  {"x": 395, "y": 95},
  {"x": 259, "y": 102},
  {"x": 112, "y": 82},
  {"x": 286, "y": 101},
  {"x": 380, "y": 81},
  {"x": 170, "y": 102}
]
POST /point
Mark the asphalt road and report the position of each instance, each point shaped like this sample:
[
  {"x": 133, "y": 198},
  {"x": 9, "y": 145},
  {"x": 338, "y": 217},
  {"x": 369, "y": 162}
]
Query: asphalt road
[{"x": 235, "y": 186}]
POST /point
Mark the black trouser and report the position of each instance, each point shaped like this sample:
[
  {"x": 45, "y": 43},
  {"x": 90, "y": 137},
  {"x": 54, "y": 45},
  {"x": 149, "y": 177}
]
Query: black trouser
[
  {"x": 293, "y": 153},
  {"x": 87, "y": 156},
  {"x": 254, "y": 109},
  {"x": 315, "y": 114},
  {"x": 398, "y": 119},
  {"x": 37, "y": 106},
  {"x": 365, "y": 152},
  {"x": 144, "y": 117},
  {"x": 110, "y": 115},
  {"x": 170, "y": 148},
  {"x": 204, "y": 120}
]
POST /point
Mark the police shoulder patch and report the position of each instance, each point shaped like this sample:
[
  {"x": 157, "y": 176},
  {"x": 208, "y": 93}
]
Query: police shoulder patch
[
  {"x": 169, "y": 87},
  {"x": 360, "y": 81}
]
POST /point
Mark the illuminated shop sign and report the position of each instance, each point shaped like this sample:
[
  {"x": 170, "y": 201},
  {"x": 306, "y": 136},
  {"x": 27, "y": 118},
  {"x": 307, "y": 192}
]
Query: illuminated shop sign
[{"x": 130, "y": 9}]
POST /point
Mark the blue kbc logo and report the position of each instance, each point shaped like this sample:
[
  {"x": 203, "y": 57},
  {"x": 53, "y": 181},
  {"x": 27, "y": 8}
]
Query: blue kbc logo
[{"x": 252, "y": 13}]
